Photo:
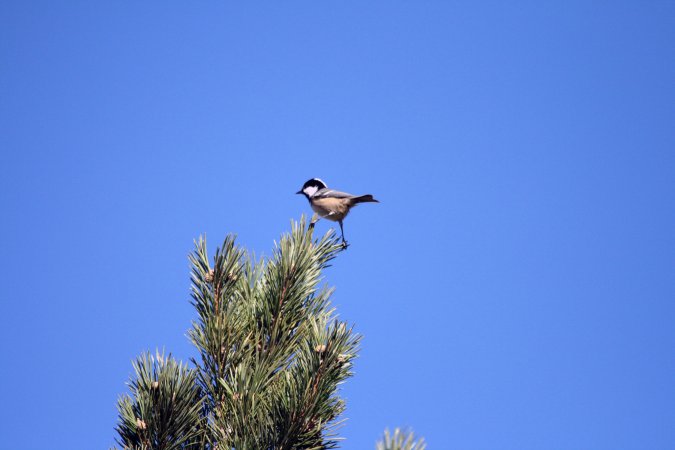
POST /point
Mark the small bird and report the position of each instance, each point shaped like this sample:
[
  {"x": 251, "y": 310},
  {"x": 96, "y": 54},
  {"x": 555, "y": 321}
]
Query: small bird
[{"x": 330, "y": 204}]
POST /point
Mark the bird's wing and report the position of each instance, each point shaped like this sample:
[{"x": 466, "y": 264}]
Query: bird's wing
[{"x": 331, "y": 193}]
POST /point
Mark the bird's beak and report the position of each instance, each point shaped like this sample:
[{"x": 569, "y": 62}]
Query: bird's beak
[{"x": 299, "y": 192}]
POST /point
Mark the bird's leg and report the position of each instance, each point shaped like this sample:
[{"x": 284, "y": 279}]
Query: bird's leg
[
  {"x": 315, "y": 219},
  {"x": 342, "y": 232}
]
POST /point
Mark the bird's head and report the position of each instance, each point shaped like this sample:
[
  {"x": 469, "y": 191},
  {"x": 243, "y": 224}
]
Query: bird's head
[{"x": 311, "y": 187}]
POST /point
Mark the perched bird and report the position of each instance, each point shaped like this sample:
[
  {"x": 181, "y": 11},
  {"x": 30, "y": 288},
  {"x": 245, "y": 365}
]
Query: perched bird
[{"x": 330, "y": 204}]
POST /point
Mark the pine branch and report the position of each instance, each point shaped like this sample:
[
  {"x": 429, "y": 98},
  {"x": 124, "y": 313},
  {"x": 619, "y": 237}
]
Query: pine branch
[
  {"x": 400, "y": 440},
  {"x": 266, "y": 385},
  {"x": 164, "y": 409}
]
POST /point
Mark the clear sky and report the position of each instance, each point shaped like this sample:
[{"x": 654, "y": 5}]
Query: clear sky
[{"x": 516, "y": 286}]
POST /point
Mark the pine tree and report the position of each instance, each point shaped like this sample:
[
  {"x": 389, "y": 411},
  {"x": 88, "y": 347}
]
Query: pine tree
[{"x": 272, "y": 355}]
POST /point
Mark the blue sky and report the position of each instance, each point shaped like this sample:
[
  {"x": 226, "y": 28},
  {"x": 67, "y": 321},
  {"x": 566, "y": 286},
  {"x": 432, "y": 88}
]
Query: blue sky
[{"x": 515, "y": 288}]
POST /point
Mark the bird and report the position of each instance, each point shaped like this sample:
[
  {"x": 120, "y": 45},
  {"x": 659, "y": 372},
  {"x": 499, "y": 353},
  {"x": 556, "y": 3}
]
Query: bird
[{"x": 331, "y": 204}]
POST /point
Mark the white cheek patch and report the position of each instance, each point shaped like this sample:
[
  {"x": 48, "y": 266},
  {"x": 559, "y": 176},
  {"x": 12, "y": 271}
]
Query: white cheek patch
[{"x": 310, "y": 190}]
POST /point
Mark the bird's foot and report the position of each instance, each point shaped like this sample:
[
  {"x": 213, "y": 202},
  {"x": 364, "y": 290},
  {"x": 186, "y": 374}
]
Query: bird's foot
[
  {"x": 344, "y": 245},
  {"x": 313, "y": 221}
]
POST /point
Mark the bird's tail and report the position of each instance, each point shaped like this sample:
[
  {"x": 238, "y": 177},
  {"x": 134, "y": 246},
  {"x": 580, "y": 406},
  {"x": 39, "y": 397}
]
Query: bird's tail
[{"x": 364, "y": 199}]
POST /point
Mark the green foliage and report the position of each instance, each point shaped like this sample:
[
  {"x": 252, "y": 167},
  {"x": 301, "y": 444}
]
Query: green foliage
[
  {"x": 400, "y": 440},
  {"x": 164, "y": 409},
  {"x": 271, "y": 356}
]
